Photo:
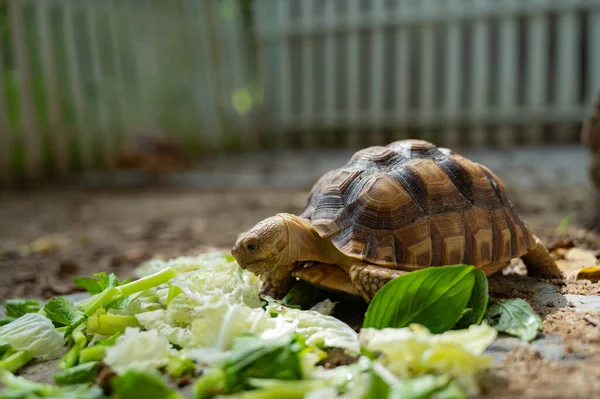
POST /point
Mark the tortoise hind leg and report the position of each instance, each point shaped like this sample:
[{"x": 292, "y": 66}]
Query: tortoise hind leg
[
  {"x": 539, "y": 262},
  {"x": 368, "y": 279}
]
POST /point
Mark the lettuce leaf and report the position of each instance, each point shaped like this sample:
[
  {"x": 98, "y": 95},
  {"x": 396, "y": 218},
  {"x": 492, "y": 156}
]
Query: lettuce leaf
[
  {"x": 321, "y": 330},
  {"x": 35, "y": 334},
  {"x": 18, "y": 307},
  {"x": 142, "y": 384}
]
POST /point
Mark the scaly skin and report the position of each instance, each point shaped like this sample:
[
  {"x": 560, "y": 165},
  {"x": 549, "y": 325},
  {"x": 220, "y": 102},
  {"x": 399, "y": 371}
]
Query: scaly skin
[{"x": 280, "y": 244}]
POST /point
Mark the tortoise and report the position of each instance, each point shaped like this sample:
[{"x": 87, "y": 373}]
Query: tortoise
[{"x": 391, "y": 210}]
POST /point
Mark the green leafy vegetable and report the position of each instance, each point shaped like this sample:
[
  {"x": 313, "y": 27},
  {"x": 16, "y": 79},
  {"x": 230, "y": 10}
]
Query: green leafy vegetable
[
  {"x": 253, "y": 357},
  {"x": 16, "y": 361},
  {"x": 413, "y": 351},
  {"x": 477, "y": 303},
  {"x": 420, "y": 388},
  {"x": 111, "y": 295},
  {"x": 92, "y": 354},
  {"x": 174, "y": 290},
  {"x": 109, "y": 324},
  {"x": 5, "y": 320},
  {"x": 142, "y": 384},
  {"x": 434, "y": 297},
  {"x": 33, "y": 333},
  {"x": 80, "y": 374},
  {"x": 211, "y": 383},
  {"x": 70, "y": 358},
  {"x": 278, "y": 389},
  {"x": 99, "y": 282},
  {"x": 378, "y": 386},
  {"x": 60, "y": 311},
  {"x": 179, "y": 366},
  {"x": 514, "y": 317},
  {"x": 21, "y": 388},
  {"x": 302, "y": 294},
  {"x": 18, "y": 307}
]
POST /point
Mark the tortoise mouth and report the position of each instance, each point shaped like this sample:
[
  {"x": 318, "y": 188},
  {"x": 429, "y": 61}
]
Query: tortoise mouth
[{"x": 260, "y": 266}]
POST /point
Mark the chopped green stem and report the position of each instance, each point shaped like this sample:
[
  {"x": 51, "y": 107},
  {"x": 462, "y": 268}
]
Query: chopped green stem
[
  {"x": 100, "y": 300},
  {"x": 79, "y": 339},
  {"x": 113, "y": 293},
  {"x": 63, "y": 329},
  {"x": 15, "y": 361},
  {"x": 108, "y": 324},
  {"x": 70, "y": 358},
  {"x": 92, "y": 354},
  {"x": 145, "y": 283}
]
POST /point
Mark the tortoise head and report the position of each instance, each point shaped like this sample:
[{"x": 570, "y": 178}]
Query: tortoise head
[{"x": 263, "y": 247}]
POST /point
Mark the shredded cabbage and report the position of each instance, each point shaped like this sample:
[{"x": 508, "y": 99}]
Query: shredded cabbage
[
  {"x": 138, "y": 350},
  {"x": 218, "y": 300},
  {"x": 413, "y": 351},
  {"x": 35, "y": 334}
]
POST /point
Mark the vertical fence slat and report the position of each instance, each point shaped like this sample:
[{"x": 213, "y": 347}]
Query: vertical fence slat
[
  {"x": 567, "y": 68},
  {"x": 594, "y": 56},
  {"x": 593, "y": 25},
  {"x": 205, "y": 88},
  {"x": 137, "y": 93},
  {"x": 537, "y": 72},
  {"x": 453, "y": 75},
  {"x": 283, "y": 15},
  {"x": 376, "y": 70},
  {"x": 264, "y": 65},
  {"x": 508, "y": 73},
  {"x": 235, "y": 57},
  {"x": 427, "y": 71},
  {"x": 103, "y": 129},
  {"x": 353, "y": 77},
  {"x": 57, "y": 126},
  {"x": 115, "y": 41},
  {"x": 401, "y": 70},
  {"x": 480, "y": 41},
  {"x": 75, "y": 83},
  {"x": 5, "y": 132},
  {"x": 330, "y": 66},
  {"x": 306, "y": 18},
  {"x": 28, "y": 120}
]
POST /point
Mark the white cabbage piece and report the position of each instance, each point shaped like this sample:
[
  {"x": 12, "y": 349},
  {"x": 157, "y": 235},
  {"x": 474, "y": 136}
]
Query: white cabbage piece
[
  {"x": 321, "y": 330},
  {"x": 413, "y": 351},
  {"x": 138, "y": 350},
  {"x": 219, "y": 300},
  {"x": 34, "y": 333},
  {"x": 347, "y": 382}
]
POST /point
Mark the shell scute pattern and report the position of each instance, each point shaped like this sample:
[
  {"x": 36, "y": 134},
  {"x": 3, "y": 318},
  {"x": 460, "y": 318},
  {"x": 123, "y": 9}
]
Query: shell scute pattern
[{"x": 413, "y": 203}]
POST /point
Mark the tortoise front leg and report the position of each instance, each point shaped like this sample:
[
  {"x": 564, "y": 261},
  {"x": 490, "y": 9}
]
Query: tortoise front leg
[
  {"x": 368, "y": 279},
  {"x": 276, "y": 283}
]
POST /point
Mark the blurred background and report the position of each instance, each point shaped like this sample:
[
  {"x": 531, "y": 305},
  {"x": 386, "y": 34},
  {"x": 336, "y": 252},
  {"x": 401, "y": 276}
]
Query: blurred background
[{"x": 131, "y": 129}]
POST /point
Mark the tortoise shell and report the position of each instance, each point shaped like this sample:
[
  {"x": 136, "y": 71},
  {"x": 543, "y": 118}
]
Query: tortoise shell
[{"x": 412, "y": 203}]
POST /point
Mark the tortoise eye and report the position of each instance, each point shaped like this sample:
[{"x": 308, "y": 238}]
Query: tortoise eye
[{"x": 251, "y": 247}]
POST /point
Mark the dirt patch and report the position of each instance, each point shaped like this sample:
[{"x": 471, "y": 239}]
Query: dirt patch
[{"x": 525, "y": 374}]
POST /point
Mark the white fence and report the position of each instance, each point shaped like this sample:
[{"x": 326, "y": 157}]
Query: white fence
[
  {"x": 481, "y": 71},
  {"x": 79, "y": 78}
]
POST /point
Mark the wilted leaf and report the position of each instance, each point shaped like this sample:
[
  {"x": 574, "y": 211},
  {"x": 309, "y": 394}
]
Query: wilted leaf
[{"x": 514, "y": 317}]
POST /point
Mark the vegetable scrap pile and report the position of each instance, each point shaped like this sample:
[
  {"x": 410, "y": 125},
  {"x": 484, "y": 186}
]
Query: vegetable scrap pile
[{"x": 199, "y": 328}]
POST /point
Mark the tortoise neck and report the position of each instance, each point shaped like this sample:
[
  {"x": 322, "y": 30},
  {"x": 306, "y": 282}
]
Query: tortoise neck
[{"x": 305, "y": 244}]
